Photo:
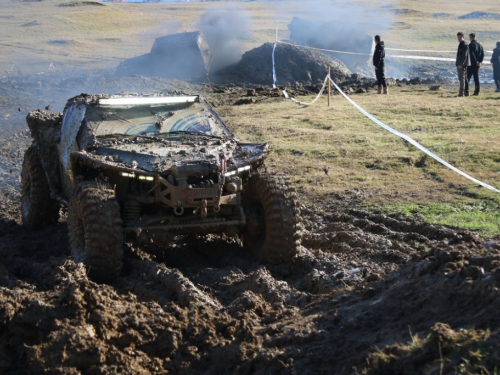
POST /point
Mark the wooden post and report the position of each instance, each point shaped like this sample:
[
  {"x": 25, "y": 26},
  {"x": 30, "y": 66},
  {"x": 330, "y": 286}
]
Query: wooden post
[{"x": 328, "y": 86}]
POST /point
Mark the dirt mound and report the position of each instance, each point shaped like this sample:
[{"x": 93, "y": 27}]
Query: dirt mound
[
  {"x": 293, "y": 64},
  {"x": 480, "y": 15},
  {"x": 334, "y": 36},
  {"x": 183, "y": 56},
  {"x": 81, "y": 3},
  {"x": 29, "y": 24}
]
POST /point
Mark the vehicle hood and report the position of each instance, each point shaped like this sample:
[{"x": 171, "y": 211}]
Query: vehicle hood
[{"x": 159, "y": 156}]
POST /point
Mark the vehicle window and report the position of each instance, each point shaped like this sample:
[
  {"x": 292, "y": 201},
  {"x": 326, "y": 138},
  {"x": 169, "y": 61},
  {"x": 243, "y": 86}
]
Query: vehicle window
[{"x": 155, "y": 120}]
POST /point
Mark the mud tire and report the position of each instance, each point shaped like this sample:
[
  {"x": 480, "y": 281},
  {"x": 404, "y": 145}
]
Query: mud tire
[
  {"x": 38, "y": 210},
  {"x": 95, "y": 231},
  {"x": 273, "y": 231}
]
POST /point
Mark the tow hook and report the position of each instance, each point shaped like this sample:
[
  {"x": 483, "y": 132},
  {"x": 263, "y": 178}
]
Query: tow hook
[{"x": 204, "y": 211}]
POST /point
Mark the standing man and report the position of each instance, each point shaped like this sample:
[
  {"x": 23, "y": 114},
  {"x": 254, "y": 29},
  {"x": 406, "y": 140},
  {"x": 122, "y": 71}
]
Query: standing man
[
  {"x": 495, "y": 61},
  {"x": 462, "y": 62},
  {"x": 476, "y": 59},
  {"x": 379, "y": 64}
]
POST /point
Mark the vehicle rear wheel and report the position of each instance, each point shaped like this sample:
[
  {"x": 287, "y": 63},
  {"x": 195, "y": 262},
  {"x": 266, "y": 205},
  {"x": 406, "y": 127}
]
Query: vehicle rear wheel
[
  {"x": 38, "y": 210},
  {"x": 274, "y": 230},
  {"x": 95, "y": 231}
]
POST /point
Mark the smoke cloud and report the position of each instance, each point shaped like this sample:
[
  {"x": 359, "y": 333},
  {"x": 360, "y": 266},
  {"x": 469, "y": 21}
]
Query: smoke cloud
[
  {"x": 341, "y": 26},
  {"x": 224, "y": 28},
  {"x": 214, "y": 45},
  {"x": 365, "y": 18},
  {"x": 343, "y": 14},
  {"x": 169, "y": 26}
]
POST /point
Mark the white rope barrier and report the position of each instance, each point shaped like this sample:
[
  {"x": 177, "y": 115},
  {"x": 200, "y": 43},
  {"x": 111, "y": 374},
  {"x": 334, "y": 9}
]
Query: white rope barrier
[
  {"x": 386, "y": 127},
  {"x": 315, "y": 99},
  {"x": 413, "y": 142},
  {"x": 423, "y": 50},
  {"x": 274, "y": 70},
  {"x": 322, "y": 49},
  {"x": 285, "y": 93},
  {"x": 418, "y": 50},
  {"x": 393, "y": 49},
  {"x": 428, "y": 58},
  {"x": 421, "y": 57}
]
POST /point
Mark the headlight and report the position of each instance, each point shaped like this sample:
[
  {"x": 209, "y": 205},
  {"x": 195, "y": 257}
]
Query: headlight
[
  {"x": 140, "y": 177},
  {"x": 239, "y": 170}
]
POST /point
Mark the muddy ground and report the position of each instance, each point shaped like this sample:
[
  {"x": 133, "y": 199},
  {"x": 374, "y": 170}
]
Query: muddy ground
[{"x": 368, "y": 293}]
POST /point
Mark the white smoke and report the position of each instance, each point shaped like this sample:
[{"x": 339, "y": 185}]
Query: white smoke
[
  {"x": 167, "y": 27},
  {"x": 346, "y": 14},
  {"x": 224, "y": 28},
  {"x": 366, "y": 18},
  {"x": 338, "y": 25}
]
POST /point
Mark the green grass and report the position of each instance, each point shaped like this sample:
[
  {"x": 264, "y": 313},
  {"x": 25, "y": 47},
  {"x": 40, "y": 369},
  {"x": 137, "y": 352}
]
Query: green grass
[{"x": 482, "y": 216}]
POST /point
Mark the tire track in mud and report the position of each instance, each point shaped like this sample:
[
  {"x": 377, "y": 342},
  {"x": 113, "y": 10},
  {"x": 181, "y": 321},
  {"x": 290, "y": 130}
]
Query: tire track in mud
[{"x": 207, "y": 307}]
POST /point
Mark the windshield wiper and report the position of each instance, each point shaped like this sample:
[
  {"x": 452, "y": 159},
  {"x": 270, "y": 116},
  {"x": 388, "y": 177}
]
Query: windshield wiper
[
  {"x": 129, "y": 136},
  {"x": 159, "y": 136},
  {"x": 194, "y": 133}
]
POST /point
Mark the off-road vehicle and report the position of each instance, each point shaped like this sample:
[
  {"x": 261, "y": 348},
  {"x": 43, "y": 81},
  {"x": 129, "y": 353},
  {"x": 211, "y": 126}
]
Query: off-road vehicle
[{"x": 150, "y": 167}]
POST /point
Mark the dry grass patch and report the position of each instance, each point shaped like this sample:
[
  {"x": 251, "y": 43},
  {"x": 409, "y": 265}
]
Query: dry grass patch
[
  {"x": 331, "y": 150},
  {"x": 106, "y": 34},
  {"x": 442, "y": 351}
]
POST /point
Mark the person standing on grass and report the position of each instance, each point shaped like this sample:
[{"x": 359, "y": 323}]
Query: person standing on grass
[
  {"x": 495, "y": 61},
  {"x": 379, "y": 64},
  {"x": 462, "y": 62},
  {"x": 476, "y": 53}
]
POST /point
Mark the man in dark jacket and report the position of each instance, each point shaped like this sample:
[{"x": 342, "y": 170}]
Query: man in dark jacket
[
  {"x": 476, "y": 53},
  {"x": 495, "y": 61},
  {"x": 379, "y": 64},
  {"x": 462, "y": 62}
]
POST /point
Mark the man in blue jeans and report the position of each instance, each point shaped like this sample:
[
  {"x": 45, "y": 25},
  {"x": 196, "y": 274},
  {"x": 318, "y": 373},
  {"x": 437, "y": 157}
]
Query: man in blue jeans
[{"x": 476, "y": 53}]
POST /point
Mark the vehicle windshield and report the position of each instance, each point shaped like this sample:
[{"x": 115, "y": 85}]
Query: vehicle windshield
[{"x": 155, "y": 120}]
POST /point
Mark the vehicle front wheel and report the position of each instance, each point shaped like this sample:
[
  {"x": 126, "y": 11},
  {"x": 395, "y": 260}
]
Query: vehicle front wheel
[
  {"x": 95, "y": 231},
  {"x": 273, "y": 230},
  {"x": 38, "y": 210}
]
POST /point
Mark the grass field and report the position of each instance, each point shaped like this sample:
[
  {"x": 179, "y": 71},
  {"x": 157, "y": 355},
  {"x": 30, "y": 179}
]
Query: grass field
[
  {"x": 357, "y": 154},
  {"x": 386, "y": 170},
  {"x": 78, "y": 36}
]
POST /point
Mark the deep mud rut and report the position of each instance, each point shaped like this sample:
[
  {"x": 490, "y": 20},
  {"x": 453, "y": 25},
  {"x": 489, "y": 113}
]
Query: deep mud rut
[{"x": 368, "y": 293}]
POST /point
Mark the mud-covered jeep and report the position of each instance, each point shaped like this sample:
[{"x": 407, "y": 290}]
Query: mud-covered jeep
[{"x": 150, "y": 167}]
